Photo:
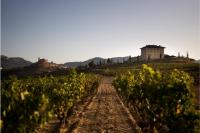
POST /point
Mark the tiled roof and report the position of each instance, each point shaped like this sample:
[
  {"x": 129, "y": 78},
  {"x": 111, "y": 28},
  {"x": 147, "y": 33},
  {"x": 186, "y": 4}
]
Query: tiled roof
[{"x": 152, "y": 46}]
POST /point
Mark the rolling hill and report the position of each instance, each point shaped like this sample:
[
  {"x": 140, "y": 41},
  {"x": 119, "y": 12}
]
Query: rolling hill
[
  {"x": 13, "y": 62},
  {"x": 96, "y": 60}
]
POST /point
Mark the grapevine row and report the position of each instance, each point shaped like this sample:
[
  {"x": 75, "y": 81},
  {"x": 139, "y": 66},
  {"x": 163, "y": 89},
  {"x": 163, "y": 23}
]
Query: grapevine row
[
  {"x": 161, "y": 102},
  {"x": 28, "y": 103}
]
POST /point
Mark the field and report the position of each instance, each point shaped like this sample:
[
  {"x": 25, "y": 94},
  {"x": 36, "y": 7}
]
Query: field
[
  {"x": 191, "y": 68},
  {"x": 28, "y": 103},
  {"x": 160, "y": 101},
  {"x": 113, "y": 98}
]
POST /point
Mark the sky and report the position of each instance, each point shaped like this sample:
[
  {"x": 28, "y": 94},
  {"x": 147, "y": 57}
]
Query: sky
[{"x": 76, "y": 30}]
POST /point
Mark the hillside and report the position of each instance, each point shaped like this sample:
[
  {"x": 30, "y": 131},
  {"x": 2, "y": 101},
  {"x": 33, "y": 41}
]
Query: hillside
[
  {"x": 96, "y": 60},
  {"x": 13, "y": 62}
]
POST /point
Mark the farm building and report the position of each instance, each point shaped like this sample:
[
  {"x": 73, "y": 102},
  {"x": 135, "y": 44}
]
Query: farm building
[
  {"x": 152, "y": 52},
  {"x": 45, "y": 64}
]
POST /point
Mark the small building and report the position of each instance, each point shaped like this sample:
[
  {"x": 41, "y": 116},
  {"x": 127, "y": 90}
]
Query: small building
[
  {"x": 152, "y": 52},
  {"x": 42, "y": 61}
]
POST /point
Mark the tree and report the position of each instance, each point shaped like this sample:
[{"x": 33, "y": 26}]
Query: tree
[
  {"x": 129, "y": 59},
  {"x": 138, "y": 58},
  {"x": 187, "y": 55},
  {"x": 91, "y": 64},
  {"x": 100, "y": 63},
  {"x": 109, "y": 61},
  {"x": 123, "y": 61}
]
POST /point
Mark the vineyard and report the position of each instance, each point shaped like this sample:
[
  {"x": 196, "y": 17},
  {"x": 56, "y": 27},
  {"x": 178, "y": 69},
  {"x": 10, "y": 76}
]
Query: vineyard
[
  {"x": 160, "y": 102},
  {"x": 31, "y": 102},
  {"x": 191, "y": 68},
  {"x": 142, "y": 99}
]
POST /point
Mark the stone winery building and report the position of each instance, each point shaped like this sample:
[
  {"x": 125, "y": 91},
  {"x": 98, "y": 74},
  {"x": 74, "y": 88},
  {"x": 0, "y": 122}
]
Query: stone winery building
[
  {"x": 45, "y": 64},
  {"x": 152, "y": 52}
]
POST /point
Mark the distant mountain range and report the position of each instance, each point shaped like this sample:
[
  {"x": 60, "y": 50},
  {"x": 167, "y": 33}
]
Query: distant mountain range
[
  {"x": 13, "y": 62},
  {"x": 17, "y": 62},
  {"x": 96, "y": 60}
]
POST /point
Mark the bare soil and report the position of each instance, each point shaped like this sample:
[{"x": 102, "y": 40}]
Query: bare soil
[{"x": 102, "y": 113}]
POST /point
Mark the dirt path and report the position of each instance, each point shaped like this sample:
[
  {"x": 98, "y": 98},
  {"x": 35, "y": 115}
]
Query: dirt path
[{"x": 104, "y": 113}]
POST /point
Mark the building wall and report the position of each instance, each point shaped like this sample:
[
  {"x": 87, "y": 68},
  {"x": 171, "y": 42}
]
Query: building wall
[
  {"x": 152, "y": 53},
  {"x": 44, "y": 63}
]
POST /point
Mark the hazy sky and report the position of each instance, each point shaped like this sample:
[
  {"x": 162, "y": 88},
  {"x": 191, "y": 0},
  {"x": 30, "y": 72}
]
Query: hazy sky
[{"x": 76, "y": 30}]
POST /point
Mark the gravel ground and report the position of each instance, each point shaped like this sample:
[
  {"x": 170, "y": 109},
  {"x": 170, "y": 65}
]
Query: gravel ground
[{"x": 102, "y": 113}]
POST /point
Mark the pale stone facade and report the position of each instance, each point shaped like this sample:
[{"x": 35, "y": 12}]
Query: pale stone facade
[
  {"x": 152, "y": 52},
  {"x": 44, "y": 63}
]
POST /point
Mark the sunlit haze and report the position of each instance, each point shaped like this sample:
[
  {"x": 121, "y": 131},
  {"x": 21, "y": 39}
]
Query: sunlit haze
[{"x": 76, "y": 30}]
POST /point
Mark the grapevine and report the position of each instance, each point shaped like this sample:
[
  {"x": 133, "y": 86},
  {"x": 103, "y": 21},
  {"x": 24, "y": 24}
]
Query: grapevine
[
  {"x": 33, "y": 101},
  {"x": 160, "y": 101}
]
